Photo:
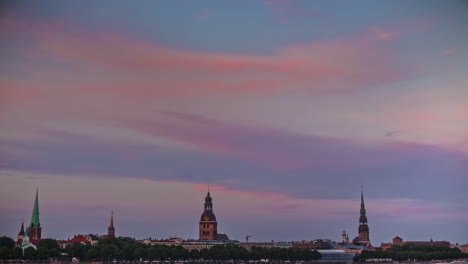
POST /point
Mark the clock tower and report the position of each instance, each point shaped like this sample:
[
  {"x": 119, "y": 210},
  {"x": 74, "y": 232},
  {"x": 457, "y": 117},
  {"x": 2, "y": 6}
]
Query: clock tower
[{"x": 208, "y": 226}]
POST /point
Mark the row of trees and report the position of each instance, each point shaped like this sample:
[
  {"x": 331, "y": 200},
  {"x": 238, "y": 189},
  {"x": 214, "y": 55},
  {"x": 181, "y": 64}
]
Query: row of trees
[
  {"x": 413, "y": 252},
  {"x": 47, "y": 248},
  {"x": 129, "y": 249}
]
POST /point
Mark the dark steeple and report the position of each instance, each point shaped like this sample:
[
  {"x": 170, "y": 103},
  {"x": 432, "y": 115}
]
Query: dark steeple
[
  {"x": 363, "y": 230},
  {"x": 21, "y": 232},
  {"x": 111, "y": 229},
  {"x": 112, "y": 220},
  {"x": 363, "y": 217}
]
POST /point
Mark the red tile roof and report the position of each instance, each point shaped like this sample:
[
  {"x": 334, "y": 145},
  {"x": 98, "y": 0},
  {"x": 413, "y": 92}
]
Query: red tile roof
[{"x": 79, "y": 239}]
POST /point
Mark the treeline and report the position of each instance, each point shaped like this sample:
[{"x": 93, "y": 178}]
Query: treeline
[
  {"x": 413, "y": 252},
  {"x": 129, "y": 249}
]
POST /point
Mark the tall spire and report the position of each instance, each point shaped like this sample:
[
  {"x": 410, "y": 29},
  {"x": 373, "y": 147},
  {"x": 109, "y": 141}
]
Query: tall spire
[
  {"x": 112, "y": 220},
  {"x": 21, "y": 232},
  {"x": 363, "y": 207},
  {"x": 35, "y": 214},
  {"x": 111, "y": 229},
  {"x": 363, "y": 227}
]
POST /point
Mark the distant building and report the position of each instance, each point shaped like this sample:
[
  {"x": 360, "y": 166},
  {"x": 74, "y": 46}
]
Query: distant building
[
  {"x": 208, "y": 228},
  {"x": 93, "y": 239},
  {"x": 111, "y": 228},
  {"x": 79, "y": 239},
  {"x": 20, "y": 236},
  {"x": 62, "y": 243},
  {"x": 398, "y": 241},
  {"x": 30, "y": 236},
  {"x": 163, "y": 242},
  {"x": 206, "y": 244},
  {"x": 348, "y": 247},
  {"x": 463, "y": 248},
  {"x": 284, "y": 244},
  {"x": 344, "y": 237},
  {"x": 250, "y": 245},
  {"x": 26, "y": 243},
  {"x": 363, "y": 230},
  {"x": 309, "y": 245}
]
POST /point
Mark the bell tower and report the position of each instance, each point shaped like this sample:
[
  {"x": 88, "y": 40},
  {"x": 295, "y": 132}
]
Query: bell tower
[
  {"x": 363, "y": 230},
  {"x": 208, "y": 228}
]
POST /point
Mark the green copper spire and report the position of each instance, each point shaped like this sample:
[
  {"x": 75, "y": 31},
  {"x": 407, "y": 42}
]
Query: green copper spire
[{"x": 35, "y": 214}]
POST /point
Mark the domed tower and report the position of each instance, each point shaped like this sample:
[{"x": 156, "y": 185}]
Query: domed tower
[
  {"x": 208, "y": 226},
  {"x": 363, "y": 230}
]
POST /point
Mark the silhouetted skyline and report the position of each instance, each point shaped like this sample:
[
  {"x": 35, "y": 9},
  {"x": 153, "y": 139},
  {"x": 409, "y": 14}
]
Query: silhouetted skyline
[{"x": 285, "y": 108}]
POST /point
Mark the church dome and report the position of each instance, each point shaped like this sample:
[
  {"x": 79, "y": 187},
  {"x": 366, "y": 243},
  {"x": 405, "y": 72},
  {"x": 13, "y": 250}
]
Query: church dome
[{"x": 208, "y": 216}]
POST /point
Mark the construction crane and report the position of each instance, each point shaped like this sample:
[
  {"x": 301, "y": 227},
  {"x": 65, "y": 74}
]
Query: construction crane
[{"x": 247, "y": 237}]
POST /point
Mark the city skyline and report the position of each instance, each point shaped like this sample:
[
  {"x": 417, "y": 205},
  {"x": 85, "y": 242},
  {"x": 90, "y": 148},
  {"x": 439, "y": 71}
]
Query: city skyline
[
  {"x": 207, "y": 217},
  {"x": 284, "y": 107}
]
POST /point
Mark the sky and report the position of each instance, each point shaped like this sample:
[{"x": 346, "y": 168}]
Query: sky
[{"x": 285, "y": 108}]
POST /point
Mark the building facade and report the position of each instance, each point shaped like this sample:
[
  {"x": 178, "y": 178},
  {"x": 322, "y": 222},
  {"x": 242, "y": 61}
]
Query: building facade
[
  {"x": 398, "y": 241},
  {"x": 208, "y": 226},
  {"x": 163, "y": 242},
  {"x": 463, "y": 248},
  {"x": 206, "y": 244}
]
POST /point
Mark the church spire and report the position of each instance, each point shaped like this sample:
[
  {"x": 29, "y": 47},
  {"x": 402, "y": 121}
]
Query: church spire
[
  {"x": 363, "y": 227},
  {"x": 363, "y": 207},
  {"x": 21, "y": 232},
  {"x": 35, "y": 214},
  {"x": 111, "y": 229},
  {"x": 112, "y": 220}
]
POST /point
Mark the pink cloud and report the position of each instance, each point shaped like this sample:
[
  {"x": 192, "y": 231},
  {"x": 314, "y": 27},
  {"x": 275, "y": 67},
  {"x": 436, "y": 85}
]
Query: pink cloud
[
  {"x": 314, "y": 68},
  {"x": 360, "y": 61}
]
